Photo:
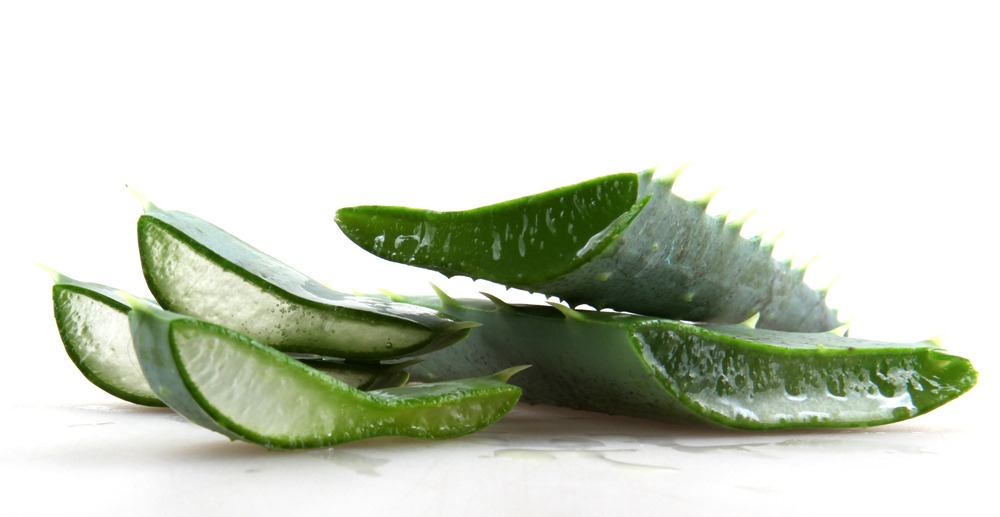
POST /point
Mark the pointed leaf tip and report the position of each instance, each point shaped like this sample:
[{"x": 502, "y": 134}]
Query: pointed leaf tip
[
  {"x": 934, "y": 340},
  {"x": 134, "y": 302},
  {"x": 671, "y": 178},
  {"x": 825, "y": 290},
  {"x": 394, "y": 296},
  {"x": 645, "y": 178},
  {"x": 505, "y": 375},
  {"x": 841, "y": 331},
  {"x": 146, "y": 204},
  {"x": 567, "y": 311},
  {"x": 462, "y": 325},
  {"x": 802, "y": 267},
  {"x": 140, "y": 304},
  {"x": 57, "y": 277},
  {"x": 738, "y": 223},
  {"x": 446, "y": 301},
  {"x": 500, "y": 304},
  {"x": 706, "y": 199},
  {"x": 751, "y": 322}
]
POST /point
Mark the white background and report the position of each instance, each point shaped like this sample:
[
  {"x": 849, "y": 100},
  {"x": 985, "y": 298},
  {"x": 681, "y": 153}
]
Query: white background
[{"x": 867, "y": 131}]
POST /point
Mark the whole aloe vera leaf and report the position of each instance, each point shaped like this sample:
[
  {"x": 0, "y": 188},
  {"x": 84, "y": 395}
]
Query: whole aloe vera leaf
[
  {"x": 194, "y": 267},
  {"x": 726, "y": 375},
  {"x": 623, "y": 241}
]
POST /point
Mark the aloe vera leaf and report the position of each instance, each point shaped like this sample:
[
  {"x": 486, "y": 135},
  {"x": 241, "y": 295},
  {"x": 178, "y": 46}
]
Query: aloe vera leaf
[
  {"x": 196, "y": 268},
  {"x": 232, "y": 384},
  {"x": 623, "y": 241},
  {"x": 726, "y": 375},
  {"x": 93, "y": 324},
  {"x": 362, "y": 375}
]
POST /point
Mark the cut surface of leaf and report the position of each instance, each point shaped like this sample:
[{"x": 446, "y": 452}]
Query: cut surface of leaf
[
  {"x": 94, "y": 327},
  {"x": 361, "y": 375},
  {"x": 195, "y": 268},
  {"x": 623, "y": 241},
  {"x": 726, "y": 375},
  {"x": 93, "y": 324},
  {"x": 239, "y": 387}
]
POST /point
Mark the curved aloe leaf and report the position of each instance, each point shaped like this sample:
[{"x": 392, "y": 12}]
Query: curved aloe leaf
[
  {"x": 623, "y": 241},
  {"x": 362, "y": 375},
  {"x": 195, "y": 268},
  {"x": 232, "y": 384},
  {"x": 730, "y": 375},
  {"x": 94, "y": 327}
]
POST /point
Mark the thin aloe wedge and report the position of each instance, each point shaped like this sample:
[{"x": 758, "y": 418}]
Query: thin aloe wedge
[
  {"x": 243, "y": 389},
  {"x": 361, "y": 375},
  {"x": 94, "y": 327},
  {"x": 727, "y": 375},
  {"x": 196, "y": 268},
  {"x": 623, "y": 241},
  {"x": 93, "y": 324}
]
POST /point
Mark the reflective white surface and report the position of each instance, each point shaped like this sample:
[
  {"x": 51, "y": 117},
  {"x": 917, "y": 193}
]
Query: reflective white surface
[
  {"x": 102, "y": 457},
  {"x": 867, "y": 131}
]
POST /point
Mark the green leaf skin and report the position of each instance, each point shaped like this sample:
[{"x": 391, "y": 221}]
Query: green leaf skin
[
  {"x": 195, "y": 268},
  {"x": 730, "y": 376},
  {"x": 243, "y": 389},
  {"x": 524, "y": 241},
  {"x": 623, "y": 241}
]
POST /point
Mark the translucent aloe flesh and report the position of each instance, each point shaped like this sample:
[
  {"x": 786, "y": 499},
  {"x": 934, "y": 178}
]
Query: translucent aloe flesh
[
  {"x": 731, "y": 376},
  {"x": 361, "y": 375},
  {"x": 93, "y": 324},
  {"x": 243, "y": 389},
  {"x": 94, "y": 327},
  {"x": 623, "y": 241},
  {"x": 196, "y": 268}
]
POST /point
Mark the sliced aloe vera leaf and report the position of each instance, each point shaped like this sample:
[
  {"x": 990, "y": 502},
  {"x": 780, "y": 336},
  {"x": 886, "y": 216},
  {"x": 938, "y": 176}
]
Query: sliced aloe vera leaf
[
  {"x": 196, "y": 268},
  {"x": 364, "y": 376},
  {"x": 519, "y": 242},
  {"x": 241, "y": 388},
  {"x": 623, "y": 241},
  {"x": 731, "y": 376},
  {"x": 93, "y": 324}
]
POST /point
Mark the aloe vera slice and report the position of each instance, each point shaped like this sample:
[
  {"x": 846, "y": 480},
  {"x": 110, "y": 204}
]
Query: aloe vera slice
[
  {"x": 362, "y": 375},
  {"x": 94, "y": 327},
  {"x": 243, "y": 389},
  {"x": 731, "y": 375},
  {"x": 196, "y": 268},
  {"x": 623, "y": 241},
  {"x": 93, "y": 324}
]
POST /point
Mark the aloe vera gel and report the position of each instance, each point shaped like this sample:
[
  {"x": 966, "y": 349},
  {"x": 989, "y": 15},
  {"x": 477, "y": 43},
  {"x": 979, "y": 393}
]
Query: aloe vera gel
[
  {"x": 193, "y": 267},
  {"x": 93, "y": 324}
]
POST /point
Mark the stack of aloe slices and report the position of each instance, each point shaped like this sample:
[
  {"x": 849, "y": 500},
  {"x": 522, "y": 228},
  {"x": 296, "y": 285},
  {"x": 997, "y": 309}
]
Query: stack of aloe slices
[
  {"x": 334, "y": 368},
  {"x": 248, "y": 347}
]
